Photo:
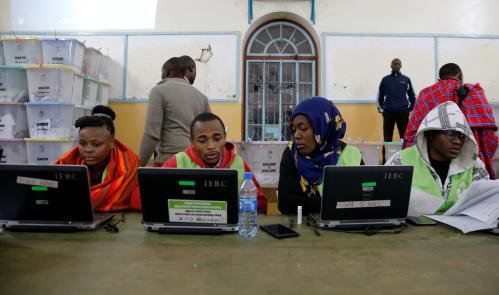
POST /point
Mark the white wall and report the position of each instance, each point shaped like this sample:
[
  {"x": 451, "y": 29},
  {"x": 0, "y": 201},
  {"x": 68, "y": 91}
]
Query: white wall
[
  {"x": 353, "y": 16},
  {"x": 457, "y": 17},
  {"x": 380, "y": 16},
  {"x": 415, "y": 16}
]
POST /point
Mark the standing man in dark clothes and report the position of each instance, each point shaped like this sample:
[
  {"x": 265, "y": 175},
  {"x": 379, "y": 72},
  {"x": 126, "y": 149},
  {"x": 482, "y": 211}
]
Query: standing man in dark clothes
[{"x": 395, "y": 101}]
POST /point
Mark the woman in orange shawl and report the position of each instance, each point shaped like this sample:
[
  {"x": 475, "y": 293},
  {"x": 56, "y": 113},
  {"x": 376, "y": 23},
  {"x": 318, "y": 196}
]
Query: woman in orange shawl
[{"x": 111, "y": 165}]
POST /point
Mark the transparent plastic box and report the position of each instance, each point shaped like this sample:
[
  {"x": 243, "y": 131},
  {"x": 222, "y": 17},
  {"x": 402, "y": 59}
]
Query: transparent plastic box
[
  {"x": 50, "y": 119},
  {"x": 77, "y": 90},
  {"x": 103, "y": 93},
  {"x": 63, "y": 51},
  {"x": 45, "y": 151},
  {"x": 80, "y": 111},
  {"x": 370, "y": 151},
  {"x": 91, "y": 62},
  {"x": 22, "y": 51},
  {"x": 90, "y": 88},
  {"x": 13, "y": 84},
  {"x": 495, "y": 163},
  {"x": 105, "y": 68},
  {"x": 391, "y": 148},
  {"x": 13, "y": 120},
  {"x": 54, "y": 83},
  {"x": 2, "y": 56},
  {"x": 13, "y": 151},
  {"x": 264, "y": 158}
]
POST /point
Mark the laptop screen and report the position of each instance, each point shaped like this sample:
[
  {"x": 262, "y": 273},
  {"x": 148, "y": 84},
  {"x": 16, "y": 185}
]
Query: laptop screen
[
  {"x": 45, "y": 193},
  {"x": 366, "y": 192},
  {"x": 195, "y": 196}
]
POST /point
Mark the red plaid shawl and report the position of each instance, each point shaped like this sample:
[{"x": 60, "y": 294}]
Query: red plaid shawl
[
  {"x": 475, "y": 107},
  {"x": 119, "y": 190}
]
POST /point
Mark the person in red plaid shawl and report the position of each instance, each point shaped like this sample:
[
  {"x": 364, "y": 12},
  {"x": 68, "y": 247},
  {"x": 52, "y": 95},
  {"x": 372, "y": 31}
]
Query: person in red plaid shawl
[{"x": 472, "y": 101}]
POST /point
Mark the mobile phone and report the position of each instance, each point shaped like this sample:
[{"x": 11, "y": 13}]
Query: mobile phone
[
  {"x": 279, "y": 231},
  {"x": 421, "y": 220}
]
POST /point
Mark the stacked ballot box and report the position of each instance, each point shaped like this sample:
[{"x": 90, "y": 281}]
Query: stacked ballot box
[
  {"x": 13, "y": 84},
  {"x": 391, "y": 148},
  {"x": 13, "y": 151},
  {"x": 46, "y": 150},
  {"x": 370, "y": 151},
  {"x": 13, "y": 130},
  {"x": 64, "y": 51},
  {"x": 92, "y": 62},
  {"x": 50, "y": 119},
  {"x": 51, "y": 129},
  {"x": 264, "y": 158},
  {"x": 2, "y": 56},
  {"x": 56, "y": 69},
  {"x": 103, "y": 93},
  {"x": 13, "y": 120},
  {"x": 98, "y": 69},
  {"x": 90, "y": 88},
  {"x": 44, "y": 88},
  {"x": 22, "y": 51}
]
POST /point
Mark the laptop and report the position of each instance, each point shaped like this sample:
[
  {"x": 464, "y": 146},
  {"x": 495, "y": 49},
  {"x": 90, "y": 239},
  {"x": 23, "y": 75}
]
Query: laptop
[
  {"x": 359, "y": 197},
  {"x": 47, "y": 197},
  {"x": 198, "y": 201}
]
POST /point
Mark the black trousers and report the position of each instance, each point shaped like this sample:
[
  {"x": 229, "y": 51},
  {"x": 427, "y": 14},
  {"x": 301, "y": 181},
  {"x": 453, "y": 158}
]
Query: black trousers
[{"x": 389, "y": 121}]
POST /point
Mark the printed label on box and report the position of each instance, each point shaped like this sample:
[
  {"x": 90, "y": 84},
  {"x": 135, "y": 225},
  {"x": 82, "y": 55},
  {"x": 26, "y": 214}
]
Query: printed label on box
[
  {"x": 43, "y": 127},
  {"x": 197, "y": 211},
  {"x": 7, "y": 124}
]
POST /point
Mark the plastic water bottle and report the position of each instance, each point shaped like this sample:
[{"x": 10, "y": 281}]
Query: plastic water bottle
[{"x": 248, "y": 216}]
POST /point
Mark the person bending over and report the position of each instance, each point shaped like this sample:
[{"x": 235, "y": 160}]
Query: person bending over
[
  {"x": 317, "y": 127},
  {"x": 445, "y": 160},
  {"x": 112, "y": 166},
  {"x": 209, "y": 149},
  {"x": 473, "y": 103}
]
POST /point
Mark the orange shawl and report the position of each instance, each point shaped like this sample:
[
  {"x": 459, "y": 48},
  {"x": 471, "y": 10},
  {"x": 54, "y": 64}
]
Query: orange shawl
[{"x": 119, "y": 190}]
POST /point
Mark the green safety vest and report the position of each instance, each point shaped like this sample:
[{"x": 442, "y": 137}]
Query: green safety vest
[
  {"x": 184, "y": 161},
  {"x": 350, "y": 156},
  {"x": 423, "y": 180}
]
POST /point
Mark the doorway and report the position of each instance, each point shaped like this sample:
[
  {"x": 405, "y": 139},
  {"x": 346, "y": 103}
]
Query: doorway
[{"x": 280, "y": 72}]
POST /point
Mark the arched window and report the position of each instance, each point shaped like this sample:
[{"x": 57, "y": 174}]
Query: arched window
[{"x": 280, "y": 72}]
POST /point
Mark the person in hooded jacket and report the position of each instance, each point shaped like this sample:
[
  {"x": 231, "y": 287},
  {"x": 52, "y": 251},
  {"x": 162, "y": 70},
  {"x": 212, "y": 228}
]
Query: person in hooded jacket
[
  {"x": 445, "y": 160},
  {"x": 473, "y": 103}
]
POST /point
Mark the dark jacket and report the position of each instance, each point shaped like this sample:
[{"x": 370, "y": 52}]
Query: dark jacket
[{"x": 396, "y": 94}]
